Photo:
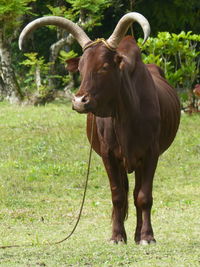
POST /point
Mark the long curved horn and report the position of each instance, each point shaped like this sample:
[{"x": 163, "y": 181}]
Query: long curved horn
[
  {"x": 66, "y": 24},
  {"x": 123, "y": 25}
]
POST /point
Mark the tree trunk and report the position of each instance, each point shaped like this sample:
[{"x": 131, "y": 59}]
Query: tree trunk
[
  {"x": 12, "y": 89},
  {"x": 54, "y": 53},
  {"x": 2, "y": 87},
  {"x": 38, "y": 77}
]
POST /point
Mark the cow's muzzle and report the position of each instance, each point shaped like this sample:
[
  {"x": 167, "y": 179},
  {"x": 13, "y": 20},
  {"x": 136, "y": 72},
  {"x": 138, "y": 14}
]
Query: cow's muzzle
[{"x": 81, "y": 103}]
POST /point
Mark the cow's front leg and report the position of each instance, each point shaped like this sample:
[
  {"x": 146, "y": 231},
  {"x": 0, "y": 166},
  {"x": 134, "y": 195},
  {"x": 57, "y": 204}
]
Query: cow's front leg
[
  {"x": 143, "y": 199},
  {"x": 119, "y": 190}
]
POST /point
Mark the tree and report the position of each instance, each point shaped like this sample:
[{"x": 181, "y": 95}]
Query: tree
[
  {"x": 88, "y": 14},
  {"x": 98, "y": 17},
  {"x": 11, "y": 12},
  {"x": 164, "y": 15},
  {"x": 171, "y": 15}
]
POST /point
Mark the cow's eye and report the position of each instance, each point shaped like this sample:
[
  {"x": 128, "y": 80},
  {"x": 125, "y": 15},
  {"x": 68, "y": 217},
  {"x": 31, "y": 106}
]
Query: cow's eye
[{"x": 104, "y": 68}]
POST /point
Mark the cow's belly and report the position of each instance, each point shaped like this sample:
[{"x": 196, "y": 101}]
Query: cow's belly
[{"x": 170, "y": 116}]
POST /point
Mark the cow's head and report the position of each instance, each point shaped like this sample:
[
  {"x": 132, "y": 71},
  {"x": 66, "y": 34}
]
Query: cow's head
[
  {"x": 99, "y": 70},
  {"x": 99, "y": 65}
]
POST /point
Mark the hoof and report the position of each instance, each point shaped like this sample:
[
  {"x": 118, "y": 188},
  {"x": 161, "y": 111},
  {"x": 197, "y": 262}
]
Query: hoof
[
  {"x": 147, "y": 242},
  {"x": 118, "y": 240}
]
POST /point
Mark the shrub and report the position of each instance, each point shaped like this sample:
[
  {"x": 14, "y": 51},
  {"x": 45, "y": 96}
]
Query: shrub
[{"x": 177, "y": 55}]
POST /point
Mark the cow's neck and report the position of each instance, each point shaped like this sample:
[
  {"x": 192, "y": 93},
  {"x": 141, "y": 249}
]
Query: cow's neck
[
  {"x": 125, "y": 119},
  {"x": 133, "y": 121}
]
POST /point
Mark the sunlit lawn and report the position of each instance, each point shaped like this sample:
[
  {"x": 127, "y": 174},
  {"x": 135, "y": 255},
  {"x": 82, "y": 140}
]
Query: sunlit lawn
[{"x": 43, "y": 163}]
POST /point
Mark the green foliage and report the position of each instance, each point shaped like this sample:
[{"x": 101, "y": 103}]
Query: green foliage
[
  {"x": 57, "y": 11},
  {"x": 33, "y": 62},
  {"x": 67, "y": 55},
  {"x": 171, "y": 15},
  {"x": 176, "y": 54},
  {"x": 66, "y": 79},
  {"x": 10, "y": 13},
  {"x": 88, "y": 13}
]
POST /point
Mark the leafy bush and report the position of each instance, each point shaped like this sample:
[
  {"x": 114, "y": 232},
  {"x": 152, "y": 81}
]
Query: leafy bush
[
  {"x": 88, "y": 13},
  {"x": 177, "y": 55},
  {"x": 37, "y": 75}
]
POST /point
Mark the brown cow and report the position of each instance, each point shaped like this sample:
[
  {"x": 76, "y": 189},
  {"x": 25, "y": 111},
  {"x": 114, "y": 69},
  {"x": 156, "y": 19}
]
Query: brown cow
[{"x": 136, "y": 115}]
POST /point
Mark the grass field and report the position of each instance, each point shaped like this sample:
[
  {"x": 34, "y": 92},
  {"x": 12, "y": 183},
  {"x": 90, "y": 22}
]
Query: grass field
[{"x": 43, "y": 163}]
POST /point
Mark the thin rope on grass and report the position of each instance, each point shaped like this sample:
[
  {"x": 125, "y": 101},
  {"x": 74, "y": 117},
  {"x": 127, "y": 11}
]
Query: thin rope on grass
[
  {"x": 85, "y": 189},
  {"x": 82, "y": 203}
]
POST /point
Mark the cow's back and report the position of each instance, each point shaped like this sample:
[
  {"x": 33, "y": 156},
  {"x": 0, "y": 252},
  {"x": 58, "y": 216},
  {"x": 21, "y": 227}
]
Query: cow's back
[{"x": 169, "y": 107}]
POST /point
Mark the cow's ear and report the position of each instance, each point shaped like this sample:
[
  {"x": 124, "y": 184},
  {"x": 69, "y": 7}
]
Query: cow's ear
[
  {"x": 72, "y": 64},
  {"x": 119, "y": 61}
]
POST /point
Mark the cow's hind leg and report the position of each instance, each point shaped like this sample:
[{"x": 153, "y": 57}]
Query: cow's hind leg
[
  {"x": 143, "y": 199},
  {"x": 119, "y": 190}
]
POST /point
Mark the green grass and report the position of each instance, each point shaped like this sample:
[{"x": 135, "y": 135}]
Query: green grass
[{"x": 43, "y": 163}]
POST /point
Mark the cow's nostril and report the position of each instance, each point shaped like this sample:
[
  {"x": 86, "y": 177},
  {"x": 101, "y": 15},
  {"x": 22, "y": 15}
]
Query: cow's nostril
[
  {"x": 80, "y": 103},
  {"x": 85, "y": 99}
]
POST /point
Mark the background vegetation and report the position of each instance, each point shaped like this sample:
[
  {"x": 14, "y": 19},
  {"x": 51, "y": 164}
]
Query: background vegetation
[
  {"x": 43, "y": 162},
  {"x": 36, "y": 76}
]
